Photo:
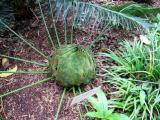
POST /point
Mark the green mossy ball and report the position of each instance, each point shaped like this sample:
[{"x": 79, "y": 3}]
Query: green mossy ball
[{"x": 73, "y": 65}]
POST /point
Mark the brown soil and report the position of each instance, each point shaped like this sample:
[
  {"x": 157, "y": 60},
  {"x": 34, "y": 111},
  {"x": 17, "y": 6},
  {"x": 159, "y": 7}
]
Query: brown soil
[{"x": 40, "y": 102}]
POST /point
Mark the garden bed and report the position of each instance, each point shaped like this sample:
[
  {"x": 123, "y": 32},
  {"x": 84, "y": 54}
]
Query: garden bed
[{"x": 40, "y": 102}]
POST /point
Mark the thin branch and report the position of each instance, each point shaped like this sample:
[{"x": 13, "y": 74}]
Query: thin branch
[
  {"x": 23, "y": 60},
  {"x": 24, "y": 40},
  {"x": 27, "y": 86},
  {"x": 55, "y": 29},
  {"x": 44, "y": 21},
  {"x": 60, "y": 104},
  {"x": 78, "y": 108},
  {"x": 25, "y": 72}
]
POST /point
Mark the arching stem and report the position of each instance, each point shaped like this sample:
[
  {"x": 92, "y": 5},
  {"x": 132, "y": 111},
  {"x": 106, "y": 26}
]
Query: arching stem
[
  {"x": 78, "y": 108},
  {"x": 23, "y": 60},
  {"x": 45, "y": 24},
  {"x": 98, "y": 37},
  {"x": 25, "y": 72},
  {"x": 54, "y": 26},
  {"x": 72, "y": 32},
  {"x": 24, "y": 40},
  {"x": 85, "y": 106},
  {"x": 60, "y": 104},
  {"x": 65, "y": 30},
  {"x": 27, "y": 86}
]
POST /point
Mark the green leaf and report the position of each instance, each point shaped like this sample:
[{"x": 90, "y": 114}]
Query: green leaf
[
  {"x": 142, "y": 97},
  {"x": 11, "y": 72},
  {"x": 94, "y": 103},
  {"x": 157, "y": 99},
  {"x": 100, "y": 103},
  {"x": 103, "y": 102},
  {"x": 117, "y": 116},
  {"x": 94, "y": 114},
  {"x": 85, "y": 13},
  {"x": 135, "y": 9}
]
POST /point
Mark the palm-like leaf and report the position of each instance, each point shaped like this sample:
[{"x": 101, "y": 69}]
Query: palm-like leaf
[
  {"x": 85, "y": 13},
  {"x": 135, "y": 9}
]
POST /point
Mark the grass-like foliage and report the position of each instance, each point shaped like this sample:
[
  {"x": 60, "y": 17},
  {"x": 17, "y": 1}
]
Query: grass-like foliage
[
  {"x": 136, "y": 60},
  {"x": 101, "y": 105},
  {"x": 130, "y": 59},
  {"x": 135, "y": 76},
  {"x": 139, "y": 59},
  {"x": 154, "y": 33},
  {"x": 141, "y": 101}
]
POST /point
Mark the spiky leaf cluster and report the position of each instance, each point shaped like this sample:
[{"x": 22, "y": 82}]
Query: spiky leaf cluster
[{"x": 72, "y": 65}]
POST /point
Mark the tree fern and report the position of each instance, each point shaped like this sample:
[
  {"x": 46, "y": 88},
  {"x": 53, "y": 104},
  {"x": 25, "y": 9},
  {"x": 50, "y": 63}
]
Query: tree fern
[{"x": 86, "y": 13}]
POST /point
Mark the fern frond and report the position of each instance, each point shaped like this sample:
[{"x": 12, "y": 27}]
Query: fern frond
[
  {"x": 86, "y": 13},
  {"x": 135, "y": 9}
]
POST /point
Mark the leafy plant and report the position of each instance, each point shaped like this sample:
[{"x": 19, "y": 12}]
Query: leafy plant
[
  {"x": 86, "y": 13},
  {"x": 136, "y": 60},
  {"x": 73, "y": 65},
  {"x": 135, "y": 9},
  {"x": 135, "y": 76},
  {"x": 140, "y": 100},
  {"x": 130, "y": 58},
  {"x": 154, "y": 33},
  {"x": 101, "y": 105},
  {"x": 79, "y": 7}
]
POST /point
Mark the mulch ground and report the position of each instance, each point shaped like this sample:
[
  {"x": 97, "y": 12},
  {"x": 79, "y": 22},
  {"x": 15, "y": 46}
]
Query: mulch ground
[{"x": 40, "y": 102}]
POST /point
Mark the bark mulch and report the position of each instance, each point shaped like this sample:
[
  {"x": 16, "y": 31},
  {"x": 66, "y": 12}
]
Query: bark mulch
[{"x": 40, "y": 102}]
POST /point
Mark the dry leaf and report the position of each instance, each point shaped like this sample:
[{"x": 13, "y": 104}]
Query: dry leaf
[
  {"x": 144, "y": 39},
  {"x": 5, "y": 62},
  {"x": 9, "y": 72}
]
